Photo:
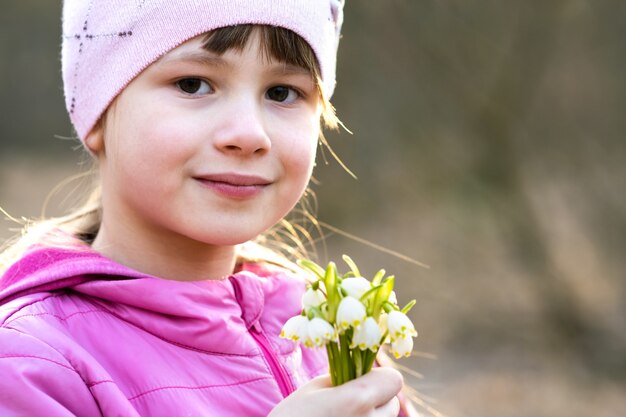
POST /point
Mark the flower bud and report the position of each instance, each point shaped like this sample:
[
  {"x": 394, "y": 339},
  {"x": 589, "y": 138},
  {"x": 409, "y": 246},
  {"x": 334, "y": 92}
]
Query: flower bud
[
  {"x": 399, "y": 325},
  {"x": 312, "y": 298},
  {"x": 350, "y": 313},
  {"x": 320, "y": 332},
  {"x": 356, "y": 287},
  {"x": 402, "y": 346},
  {"x": 392, "y": 298},
  {"x": 367, "y": 336},
  {"x": 295, "y": 329}
]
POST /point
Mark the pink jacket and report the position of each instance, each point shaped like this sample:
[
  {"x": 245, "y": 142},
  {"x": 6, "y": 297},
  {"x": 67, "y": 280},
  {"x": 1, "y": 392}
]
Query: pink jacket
[{"x": 81, "y": 335}]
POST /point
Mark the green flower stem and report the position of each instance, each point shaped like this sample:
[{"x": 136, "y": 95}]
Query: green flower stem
[
  {"x": 331, "y": 361},
  {"x": 335, "y": 365},
  {"x": 368, "y": 362},
  {"x": 347, "y": 364},
  {"x": 358, "y": 362},
  {"x": 346, "y": 360}
]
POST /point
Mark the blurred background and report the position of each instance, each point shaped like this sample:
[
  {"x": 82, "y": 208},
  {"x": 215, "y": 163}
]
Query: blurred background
[{"x": 489, "y": 143}]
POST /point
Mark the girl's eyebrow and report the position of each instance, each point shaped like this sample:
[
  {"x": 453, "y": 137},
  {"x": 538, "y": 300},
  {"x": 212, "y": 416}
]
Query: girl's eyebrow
[
  {"x": 288, "y": 69},
  {"x": 207, "y": 58},
  {"x": 199, "y": 57}
]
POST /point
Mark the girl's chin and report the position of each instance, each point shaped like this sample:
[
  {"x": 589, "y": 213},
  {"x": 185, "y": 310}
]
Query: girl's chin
[{"x": 227, "y": 239}]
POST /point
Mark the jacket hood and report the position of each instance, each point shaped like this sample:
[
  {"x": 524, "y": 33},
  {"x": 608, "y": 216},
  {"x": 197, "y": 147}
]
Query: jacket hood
[
  {"x": 44, "y": 269},
  {"x": 187, "y": 313}
]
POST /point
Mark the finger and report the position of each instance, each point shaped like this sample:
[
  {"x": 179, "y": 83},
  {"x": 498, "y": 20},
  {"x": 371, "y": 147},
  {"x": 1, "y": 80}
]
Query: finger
[
  {"x": 391, "y": 409},
  {"x": 375, "y": 388},
  {"x": 319, "y": 382}
]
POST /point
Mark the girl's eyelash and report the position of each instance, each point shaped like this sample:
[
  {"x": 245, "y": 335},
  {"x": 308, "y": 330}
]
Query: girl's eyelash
[
  {"x": 284, "y": 100},
  {"x": 201, "y": 81},
  {"x": 301, "y": 94}
]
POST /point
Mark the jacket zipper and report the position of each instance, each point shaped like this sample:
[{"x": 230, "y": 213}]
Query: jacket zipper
[
  {"x": 256, "y": 331},
  {"x": 280, "y": 374}
]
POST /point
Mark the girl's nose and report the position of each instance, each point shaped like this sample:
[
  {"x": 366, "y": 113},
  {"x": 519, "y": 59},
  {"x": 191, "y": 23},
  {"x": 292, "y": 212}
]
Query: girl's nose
[{"x": 243, "y": 130}]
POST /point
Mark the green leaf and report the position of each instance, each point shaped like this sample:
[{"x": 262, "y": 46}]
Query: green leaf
[
  {"x": 311, "y": 266},
  {"x": 355, "y": 270},
  {"x": 378, "y": 277},
  {"x": 332, "y": 291},
  {"x": 369, "y": 299},
  {"x": 369, "y": 293},
  {"x": 382, "y": 295},
  {"x": 407, "y": 307}
]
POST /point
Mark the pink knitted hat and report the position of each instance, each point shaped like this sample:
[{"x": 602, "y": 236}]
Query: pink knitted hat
[{"x": 107, "y": 43}]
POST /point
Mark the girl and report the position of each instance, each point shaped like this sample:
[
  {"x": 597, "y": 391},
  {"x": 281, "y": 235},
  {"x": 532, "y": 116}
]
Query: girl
[{"x": 204, "y": 118}]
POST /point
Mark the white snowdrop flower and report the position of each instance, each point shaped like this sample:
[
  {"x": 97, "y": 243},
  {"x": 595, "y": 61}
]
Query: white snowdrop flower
[
  {"x": 306, "y": 340},
  {"x": 295, "y": 329},
  {"x": 320, "y": 332},
  {"x": 383, "y": 326},
  {"x": 399, "y": 325},
  {"x": 312, "y": 298},
  {"x": 356, "y": 286},
  {"x": 350, "y": 313},
  {"x": 392, "y": 298},
  {"x": 367, "y": 336},
  {"x": 402, "y": 346}
]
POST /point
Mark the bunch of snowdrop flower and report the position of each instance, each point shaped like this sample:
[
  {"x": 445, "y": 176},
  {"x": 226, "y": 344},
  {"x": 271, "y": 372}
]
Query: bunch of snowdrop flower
[{"x": 352, "y": 317}]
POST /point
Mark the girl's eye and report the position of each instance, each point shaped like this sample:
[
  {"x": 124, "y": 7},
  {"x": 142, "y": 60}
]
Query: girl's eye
[
  {"x": 282, "y": 94},
  {"x": 195, "y": 86}
]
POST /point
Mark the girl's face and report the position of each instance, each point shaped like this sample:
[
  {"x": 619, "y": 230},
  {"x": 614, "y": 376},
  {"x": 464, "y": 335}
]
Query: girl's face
[{"x": 206, "y": 148}]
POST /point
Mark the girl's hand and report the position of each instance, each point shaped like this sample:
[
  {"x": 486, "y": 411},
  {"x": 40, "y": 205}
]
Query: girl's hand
[{"x": 372, "y": 395}]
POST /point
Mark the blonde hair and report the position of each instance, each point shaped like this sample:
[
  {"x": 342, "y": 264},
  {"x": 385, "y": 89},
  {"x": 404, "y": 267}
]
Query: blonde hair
[{"x": 285, "y": 241}]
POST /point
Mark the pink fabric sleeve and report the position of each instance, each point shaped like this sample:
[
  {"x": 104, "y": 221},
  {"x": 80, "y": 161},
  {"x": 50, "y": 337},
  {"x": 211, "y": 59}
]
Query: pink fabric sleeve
[{"x": 36, "y": 380}]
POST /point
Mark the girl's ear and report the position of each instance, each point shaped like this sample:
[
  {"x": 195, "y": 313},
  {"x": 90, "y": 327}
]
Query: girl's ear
[{"x": 95, "y": 139}]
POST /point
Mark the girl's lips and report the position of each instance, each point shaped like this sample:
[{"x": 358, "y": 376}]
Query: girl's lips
[{"x": 234, "y": 185}]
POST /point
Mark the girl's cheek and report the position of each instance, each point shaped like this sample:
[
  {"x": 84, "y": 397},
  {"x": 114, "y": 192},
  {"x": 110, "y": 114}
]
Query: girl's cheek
[{"x": 303, "y": 144}]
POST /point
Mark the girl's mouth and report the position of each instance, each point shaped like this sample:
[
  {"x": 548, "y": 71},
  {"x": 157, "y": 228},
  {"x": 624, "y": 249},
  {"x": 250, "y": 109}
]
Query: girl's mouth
[{"x": 234, "y": 185}]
